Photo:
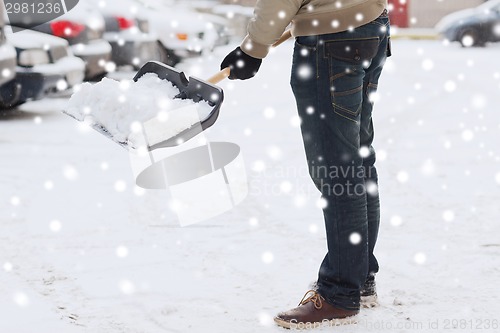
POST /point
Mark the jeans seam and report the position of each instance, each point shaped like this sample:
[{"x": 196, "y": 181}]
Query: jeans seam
[
  {"x": 348, "y": 92},
  {"x": 354, "y": 113},
  {"x": 354, "y": 121}
]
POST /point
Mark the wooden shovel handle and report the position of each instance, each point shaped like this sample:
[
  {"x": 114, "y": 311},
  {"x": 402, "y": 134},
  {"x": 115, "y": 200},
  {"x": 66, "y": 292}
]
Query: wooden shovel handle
[
  {"x": 286, "y": 36},
  {"x": 218, "y": 77}
]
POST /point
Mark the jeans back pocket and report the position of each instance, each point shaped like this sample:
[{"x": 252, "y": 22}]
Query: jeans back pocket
[{"x": 347, "y": 60}]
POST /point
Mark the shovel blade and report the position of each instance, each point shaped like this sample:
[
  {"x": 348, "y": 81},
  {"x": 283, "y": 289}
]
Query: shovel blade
[{"x": 192, "y": 88}]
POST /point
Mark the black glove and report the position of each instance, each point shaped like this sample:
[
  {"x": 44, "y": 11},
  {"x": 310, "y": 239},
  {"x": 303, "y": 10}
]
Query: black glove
[{"x": 242, "y": 65}]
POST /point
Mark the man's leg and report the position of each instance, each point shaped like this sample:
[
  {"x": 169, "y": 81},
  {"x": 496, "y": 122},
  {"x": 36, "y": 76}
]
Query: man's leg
[
  {"x": 328, "y": 77},
  {"x": 370, "y": 86}
]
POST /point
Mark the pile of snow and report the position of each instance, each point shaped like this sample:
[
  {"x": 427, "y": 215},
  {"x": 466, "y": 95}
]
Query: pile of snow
[{"x": 123, "y": 108}]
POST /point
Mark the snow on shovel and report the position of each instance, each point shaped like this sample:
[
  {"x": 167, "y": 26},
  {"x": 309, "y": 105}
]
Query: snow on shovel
[{"x": 163, "y": 108}]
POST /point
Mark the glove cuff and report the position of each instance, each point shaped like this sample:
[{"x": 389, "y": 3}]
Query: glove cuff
[{"x": 253, "y": 48}]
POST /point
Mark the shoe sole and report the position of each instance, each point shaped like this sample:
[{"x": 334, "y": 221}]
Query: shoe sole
[
  {"x": 369, "y": 302},
  {"x": 308, "y": 325}
]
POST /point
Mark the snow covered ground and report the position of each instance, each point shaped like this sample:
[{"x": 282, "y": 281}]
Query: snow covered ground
[{"x": 83, "y": 250}]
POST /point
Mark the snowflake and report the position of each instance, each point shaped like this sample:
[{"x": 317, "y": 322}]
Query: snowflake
[
  {"x": 467, "y": 135},
  {"x": 299, "y": 200},
  {"x": 322, "y": 203},
  {"x": 55, "y": 225},
  {"x": 420, "y": 258},
  {"x": 21, "y": 299},
  {"x": 427, "y": 65},
  {"x": 381, "y": 155},
  {"x": 467, "y": 40},
  {"x": 479, "y": 101},
  {"x": 70, "y": 172},
  {"x": 355, "y": 238},
  {"x": 110, "y": 66},
  {"x": 286, "y": 187},
  {"x": 139, "y": 191},
  {"x": 267, "y": 257},
  {"x": 269, "y": 113},
  {"x": 396, "y": 221},
  {"x": 304, "y": 72},
  {"x": 274, "y": 152},
  {"x": 428, "y": 168},
  {"x": 371, "y": 188},
  {"x": 364, "y": 152},
  {"x": 253, "y": 221},
  {"x": 450, "y": 86},
  {"x": 403, "y": 177},
  {"x": 120, "y": 186},
  {"x": 126, "y": 287},
  {"x": 135, "y": 127},
  {"x": 448, "y": 215},
  {"x": 6, "y": 72},
  {"x": 7, "y": 266},
  {"x": 61, "y": 85},
  {"x": 15, "y": 201},
  {"x": 295, "y": 121},
  {"x": 265, "y": 319},
  {"x": 121, "y": 251},
  {"x": 259, "y": 166}
]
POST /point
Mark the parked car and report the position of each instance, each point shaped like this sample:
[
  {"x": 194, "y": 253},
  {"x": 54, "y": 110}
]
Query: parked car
[
  {"x": 83, "y": 28},
  {"x": 128, "y": 33},
  {"x": 472, "y": 27},
  {"x": 9, "y": 89},
  {"x": 45, "y": 64},
  {"x": 181, "y": 32}
]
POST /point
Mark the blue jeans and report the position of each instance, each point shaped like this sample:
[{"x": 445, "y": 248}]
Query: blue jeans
[{"x": 334, "y": 77}]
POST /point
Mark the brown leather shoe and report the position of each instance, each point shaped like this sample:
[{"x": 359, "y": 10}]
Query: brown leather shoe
[{"x": 314, "y": 312}]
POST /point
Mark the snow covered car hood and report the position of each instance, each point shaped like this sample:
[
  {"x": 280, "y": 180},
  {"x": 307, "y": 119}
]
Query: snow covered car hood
[{"x": 29, "y": 39}]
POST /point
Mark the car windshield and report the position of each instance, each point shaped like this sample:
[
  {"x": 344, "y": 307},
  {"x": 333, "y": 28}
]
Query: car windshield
[{"x": 490, "y": 5}]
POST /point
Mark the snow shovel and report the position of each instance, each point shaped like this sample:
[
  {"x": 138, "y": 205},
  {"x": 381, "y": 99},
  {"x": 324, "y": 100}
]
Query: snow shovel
[{"x": 194, "y": 89}]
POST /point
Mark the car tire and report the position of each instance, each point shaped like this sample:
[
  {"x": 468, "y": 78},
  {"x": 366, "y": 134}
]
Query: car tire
[
  {"x": 470, "y": 37},
  {"x": 167, "y": 56},
  {"x": 10, "y": 95}
]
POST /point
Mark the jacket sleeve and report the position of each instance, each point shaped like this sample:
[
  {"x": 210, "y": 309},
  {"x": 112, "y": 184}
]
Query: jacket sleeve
[{"x": 271, "y": 17}]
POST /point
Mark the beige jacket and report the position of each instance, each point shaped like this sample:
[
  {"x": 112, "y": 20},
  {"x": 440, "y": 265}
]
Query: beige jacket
[{"x": 308, "y": 17}]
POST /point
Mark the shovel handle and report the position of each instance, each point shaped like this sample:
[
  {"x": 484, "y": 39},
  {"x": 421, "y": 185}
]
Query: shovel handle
[
  {"x": 286, "y": 36},
  {"x": 219, "y": 76}
]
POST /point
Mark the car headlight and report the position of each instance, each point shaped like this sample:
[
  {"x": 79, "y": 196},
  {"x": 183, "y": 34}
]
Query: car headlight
[{"x": 33, "y": 57}]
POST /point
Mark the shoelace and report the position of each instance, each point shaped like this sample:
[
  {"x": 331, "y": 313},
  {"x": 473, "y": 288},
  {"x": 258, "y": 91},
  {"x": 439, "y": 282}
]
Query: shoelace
[{"x": 316, "y": 298}]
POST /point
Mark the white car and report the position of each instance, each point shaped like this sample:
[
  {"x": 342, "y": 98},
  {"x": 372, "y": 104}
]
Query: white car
[
  {"x": 45, "y": 64},
  {"x": 83, "y": 27},
  {"x": 181, "y": 32},
  {"x": 9, "y": 89},
  {"x": 128, "y": 33}
]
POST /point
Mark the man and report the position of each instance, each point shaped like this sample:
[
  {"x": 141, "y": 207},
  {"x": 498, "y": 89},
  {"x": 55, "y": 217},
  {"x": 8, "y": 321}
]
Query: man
[{"x": 340, "y": 49}]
